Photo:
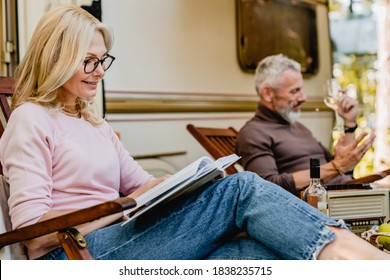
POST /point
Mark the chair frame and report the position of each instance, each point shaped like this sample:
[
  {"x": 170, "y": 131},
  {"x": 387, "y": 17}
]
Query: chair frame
[
  {"x": 219, "y": 142},
  {"x": 369, "y": 178},
  {"x": 70, "y": 239},
  {"x": 6, "y": 89}
]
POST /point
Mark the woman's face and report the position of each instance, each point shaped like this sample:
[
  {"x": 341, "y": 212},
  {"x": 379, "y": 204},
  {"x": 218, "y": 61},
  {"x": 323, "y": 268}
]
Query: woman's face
[{"x": 85, "y": 85}]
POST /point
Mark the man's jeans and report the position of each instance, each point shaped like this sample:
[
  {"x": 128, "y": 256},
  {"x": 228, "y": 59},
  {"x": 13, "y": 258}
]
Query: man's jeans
[{"x": 278, "y": 225}]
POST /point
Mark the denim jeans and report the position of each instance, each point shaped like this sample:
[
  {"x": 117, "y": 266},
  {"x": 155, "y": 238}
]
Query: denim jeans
[{"x": 203, "y": 226}]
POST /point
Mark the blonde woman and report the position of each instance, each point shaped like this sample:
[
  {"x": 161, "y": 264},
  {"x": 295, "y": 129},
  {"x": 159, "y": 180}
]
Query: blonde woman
[{"x": 58, "y": 156}]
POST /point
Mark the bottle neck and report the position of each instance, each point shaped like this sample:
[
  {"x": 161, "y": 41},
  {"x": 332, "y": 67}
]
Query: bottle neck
[
  {"x": 315, "y": 181},
  {"x": 315, "y": 172}
]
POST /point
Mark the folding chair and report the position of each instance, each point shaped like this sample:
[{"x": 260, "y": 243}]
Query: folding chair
[{"x": 218, "y": 142}]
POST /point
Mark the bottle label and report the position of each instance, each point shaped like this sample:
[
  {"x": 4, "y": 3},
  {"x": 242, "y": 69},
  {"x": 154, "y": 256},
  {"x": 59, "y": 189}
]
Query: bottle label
[{"x": 323, "y": 207}]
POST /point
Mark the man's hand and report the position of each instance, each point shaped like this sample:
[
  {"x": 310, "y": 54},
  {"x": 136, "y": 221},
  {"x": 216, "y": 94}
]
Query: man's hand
[
  {"x": 347, "y": 156},
  {"x": 347, "y": 108}
]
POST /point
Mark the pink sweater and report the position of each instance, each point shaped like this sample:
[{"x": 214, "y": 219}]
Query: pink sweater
[{"x": 56, "y": 162}]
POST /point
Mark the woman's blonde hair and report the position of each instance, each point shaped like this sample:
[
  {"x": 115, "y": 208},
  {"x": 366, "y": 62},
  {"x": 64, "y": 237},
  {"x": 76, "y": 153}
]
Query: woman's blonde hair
[{"x": 57, "y": 49}]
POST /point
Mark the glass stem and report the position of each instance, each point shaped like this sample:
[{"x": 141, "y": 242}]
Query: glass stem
[{"x": 339, "y": 122}]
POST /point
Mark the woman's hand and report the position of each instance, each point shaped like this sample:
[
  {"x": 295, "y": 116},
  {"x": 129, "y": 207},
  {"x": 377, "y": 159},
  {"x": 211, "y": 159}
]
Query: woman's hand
[{"x": 148, "y": 185}]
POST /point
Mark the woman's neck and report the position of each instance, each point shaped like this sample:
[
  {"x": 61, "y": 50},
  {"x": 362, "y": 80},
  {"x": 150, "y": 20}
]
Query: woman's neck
[{"x": 72, "y": 110}]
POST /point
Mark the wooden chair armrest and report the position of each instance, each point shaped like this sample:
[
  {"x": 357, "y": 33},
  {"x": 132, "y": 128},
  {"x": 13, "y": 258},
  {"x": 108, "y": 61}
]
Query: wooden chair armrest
[
  {"x": 69, "y": 220},
  {"x": 369, "y": 178}
]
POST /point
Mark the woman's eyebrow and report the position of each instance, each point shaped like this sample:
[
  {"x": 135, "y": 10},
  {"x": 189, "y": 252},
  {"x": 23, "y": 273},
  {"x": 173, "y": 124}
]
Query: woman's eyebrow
[{"x": 94, "y": 55}]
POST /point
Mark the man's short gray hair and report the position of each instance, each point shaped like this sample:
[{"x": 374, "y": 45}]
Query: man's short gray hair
[{"x": 270, "y": 69}]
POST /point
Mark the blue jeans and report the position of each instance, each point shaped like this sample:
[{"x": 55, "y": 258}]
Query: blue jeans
[{"x": 204, "y": 225}]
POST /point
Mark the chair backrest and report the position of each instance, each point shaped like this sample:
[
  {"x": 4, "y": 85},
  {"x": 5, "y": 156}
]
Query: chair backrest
[
  {"x": 218, "y": 142},
  {"x": 6, "y": 89},
  {"x": 15, "y": 251}
]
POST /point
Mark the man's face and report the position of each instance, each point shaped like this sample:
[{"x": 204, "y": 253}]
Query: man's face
[{"x": 289, "y": 96}]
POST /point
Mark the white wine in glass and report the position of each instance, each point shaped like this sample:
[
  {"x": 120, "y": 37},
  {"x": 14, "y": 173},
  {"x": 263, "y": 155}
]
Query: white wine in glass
[{"x": 333, "y": 92}]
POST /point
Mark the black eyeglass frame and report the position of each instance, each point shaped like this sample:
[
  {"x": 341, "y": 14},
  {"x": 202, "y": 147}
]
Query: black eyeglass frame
[{"x": 96, "y": 64}]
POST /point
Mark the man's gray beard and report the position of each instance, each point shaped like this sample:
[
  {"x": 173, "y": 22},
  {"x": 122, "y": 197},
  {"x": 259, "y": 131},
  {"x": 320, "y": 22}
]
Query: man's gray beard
[{"x": 289, "y": 115}]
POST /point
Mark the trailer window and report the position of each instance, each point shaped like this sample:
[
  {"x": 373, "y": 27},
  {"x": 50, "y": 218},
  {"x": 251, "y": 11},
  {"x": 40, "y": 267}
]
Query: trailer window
[{"x": 271, "y": 27}]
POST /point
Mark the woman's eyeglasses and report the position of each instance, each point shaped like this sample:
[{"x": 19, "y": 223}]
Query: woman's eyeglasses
[{"x": 90, "y": 64}]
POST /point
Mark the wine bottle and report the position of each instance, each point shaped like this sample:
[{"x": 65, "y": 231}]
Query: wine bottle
[{"x": 315, "y": 194}]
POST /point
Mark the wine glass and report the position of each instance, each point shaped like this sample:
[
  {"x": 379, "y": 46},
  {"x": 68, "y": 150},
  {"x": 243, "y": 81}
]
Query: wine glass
[{"x": 333, "y": 92}]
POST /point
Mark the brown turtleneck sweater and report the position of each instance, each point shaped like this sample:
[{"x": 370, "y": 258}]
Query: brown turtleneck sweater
[{"x": 274, "y": 148}]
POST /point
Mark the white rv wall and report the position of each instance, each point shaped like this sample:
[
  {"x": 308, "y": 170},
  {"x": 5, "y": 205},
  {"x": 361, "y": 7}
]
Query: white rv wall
[{"x": 186, "y": 46}]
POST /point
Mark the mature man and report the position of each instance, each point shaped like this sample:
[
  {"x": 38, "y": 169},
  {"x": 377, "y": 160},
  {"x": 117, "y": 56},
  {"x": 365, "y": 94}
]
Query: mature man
[{"x": 276, "y": 146}]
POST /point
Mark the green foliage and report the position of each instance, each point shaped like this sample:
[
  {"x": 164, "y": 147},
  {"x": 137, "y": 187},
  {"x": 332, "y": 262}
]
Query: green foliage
[{"x": 357, "y": 74}]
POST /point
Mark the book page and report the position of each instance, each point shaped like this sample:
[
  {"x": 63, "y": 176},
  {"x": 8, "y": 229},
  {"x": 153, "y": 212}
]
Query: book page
[
  {"x": 223, "y": 162},
  {"x": 196, "y": 168},
  {"x": 189, "y": 176}
]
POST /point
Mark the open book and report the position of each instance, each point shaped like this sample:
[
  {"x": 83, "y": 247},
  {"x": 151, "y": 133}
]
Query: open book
[{"x": 186, "y": 180}]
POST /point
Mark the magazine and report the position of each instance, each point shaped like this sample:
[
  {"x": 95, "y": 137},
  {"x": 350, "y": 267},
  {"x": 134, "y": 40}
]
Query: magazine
[{"x": 186, "y": 180}]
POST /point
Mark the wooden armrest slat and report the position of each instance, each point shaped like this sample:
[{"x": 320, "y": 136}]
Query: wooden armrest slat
[
  {"x": 72, "y": 219},
  {"x": 369, "y": 178}
]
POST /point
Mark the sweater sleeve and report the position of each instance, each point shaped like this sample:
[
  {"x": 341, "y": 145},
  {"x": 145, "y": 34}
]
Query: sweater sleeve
[
  {"x": 25, "y": 150},
  {"x": 257, "y": 154},
  {"x": 132, "y": 175},
  {"x": 266, "y": 168}
]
